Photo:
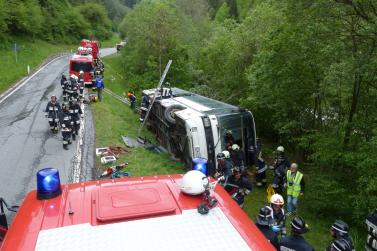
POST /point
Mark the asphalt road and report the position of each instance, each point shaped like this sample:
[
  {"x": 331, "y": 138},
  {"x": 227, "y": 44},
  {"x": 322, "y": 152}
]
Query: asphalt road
[{"x": 27, "y": 145}]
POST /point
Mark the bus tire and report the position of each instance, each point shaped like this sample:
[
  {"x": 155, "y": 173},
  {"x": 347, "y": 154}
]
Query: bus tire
[{"x": 169, "y": 112}]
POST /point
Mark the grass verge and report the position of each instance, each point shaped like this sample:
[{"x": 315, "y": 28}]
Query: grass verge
[
  {"x": 113, "y": 119},
  {"x": 29, "y": 54}
]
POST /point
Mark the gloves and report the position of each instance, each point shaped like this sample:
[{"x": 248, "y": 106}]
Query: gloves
[
  {"x": 275, "y": 228},
  {"x": 46, "y": 114}
]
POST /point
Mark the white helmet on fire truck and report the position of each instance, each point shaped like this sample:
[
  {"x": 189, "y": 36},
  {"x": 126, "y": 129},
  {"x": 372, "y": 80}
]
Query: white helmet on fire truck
[
  {"x": 280, "y": 149},
  {"x": 277, "y": 199},
  {"x": 226, "y": 154},
  {"x": 193, "y": 182}
]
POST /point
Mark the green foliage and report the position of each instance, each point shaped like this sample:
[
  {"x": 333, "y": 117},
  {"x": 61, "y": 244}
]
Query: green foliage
[
  {"x": 59, "y": 20},
  {"x": 96, "y": 16},
  {"x": 222, "y": 13}
]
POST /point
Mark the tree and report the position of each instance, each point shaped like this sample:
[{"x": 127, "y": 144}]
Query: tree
[{"x": 96, "y": 16}]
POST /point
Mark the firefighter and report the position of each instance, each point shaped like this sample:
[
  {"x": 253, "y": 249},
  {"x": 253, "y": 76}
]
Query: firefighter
[
  {"x": 224, "y": 167},
  {"x": 64, "y": 84},
  {"x": 132, "y": 99},
  {"x": 81, "y": 84},
  {"x": 341, "y": 245},
  {"x": 76, "y": 114},
  {"x": 66, "y": 122},
  {"x": 52, "y": 112},
  {"x": 371, "y": 222},
  {"x": 264, "y": 222},
  {"x": 295, "y": 184},
  {"x": 238, "y": 186},
  {"x": 278, "y": 214},
  {"x": 281, "y": 163},
  {"x": 71, "y": 83},
  {"x": 229, "y": 140},
  {"x": 237, "y": 156},
  {"x": 261, "y": 166},
  {"x": 144, "y": 107},
  {"x": 339, "y": 230},
  {"x": 296, "y": 242}
]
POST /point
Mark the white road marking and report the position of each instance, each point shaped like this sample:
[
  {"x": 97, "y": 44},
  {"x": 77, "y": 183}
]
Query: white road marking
[{"x": 6, "y": 95}]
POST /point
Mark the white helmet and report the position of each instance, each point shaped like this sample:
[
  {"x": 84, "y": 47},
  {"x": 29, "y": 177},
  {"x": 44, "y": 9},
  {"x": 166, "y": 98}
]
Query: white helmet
[
  {"x": 280, "y": 149},
  {"x": 73, "y": 76},
  {"x": 81, "y": 72},
  {"x": 277, "y": 199},
  {"x": 226, "y": 154},
  {"x": 193, "y": 182},
  {"x": 235, "y": 147}
]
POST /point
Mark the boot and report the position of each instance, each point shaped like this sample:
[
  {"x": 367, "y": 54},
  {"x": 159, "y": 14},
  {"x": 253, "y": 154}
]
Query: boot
[
  {"x": 65, "y": 147},
  {"x": 73, "y": 136}
]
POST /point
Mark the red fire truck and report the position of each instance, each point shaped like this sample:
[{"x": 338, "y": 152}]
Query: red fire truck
[
  {"x": 83, "y": 63},
  {"x": 94, "y": 45},
  {"x": 135, "y": 213}
]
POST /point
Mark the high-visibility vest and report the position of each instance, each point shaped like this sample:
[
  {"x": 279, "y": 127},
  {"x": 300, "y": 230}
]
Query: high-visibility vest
[{"x": 294, "y": 187}]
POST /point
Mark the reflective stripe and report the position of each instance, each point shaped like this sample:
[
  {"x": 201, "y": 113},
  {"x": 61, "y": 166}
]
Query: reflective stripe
[
  {"x": 76, "y": 110},
  {"x": 294, "y": 187},
  {"x": 51, "y": 108},
  {"x": 70, "y": 111},
  {"x": 262, "y": 169}
]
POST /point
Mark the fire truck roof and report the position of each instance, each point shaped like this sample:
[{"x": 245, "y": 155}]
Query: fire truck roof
[{"x": 138, "y": 213}]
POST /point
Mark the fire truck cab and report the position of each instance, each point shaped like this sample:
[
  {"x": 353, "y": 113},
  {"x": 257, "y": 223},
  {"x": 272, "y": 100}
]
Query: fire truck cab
[
  {"x": 135, "y": 213},
  {"x": 82, "y": 63}
]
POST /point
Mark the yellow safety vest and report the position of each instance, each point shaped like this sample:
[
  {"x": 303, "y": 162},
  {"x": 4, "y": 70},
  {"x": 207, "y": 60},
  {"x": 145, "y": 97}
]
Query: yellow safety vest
[{"x": 294, "y": 187}]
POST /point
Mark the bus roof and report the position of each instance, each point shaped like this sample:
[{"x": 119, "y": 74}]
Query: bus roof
[{"x": 138, "y": 213}]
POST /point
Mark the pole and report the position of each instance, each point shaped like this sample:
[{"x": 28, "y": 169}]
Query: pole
[
  {"x": 28, "y": 69},
  {"x": 155, "y": 94}
]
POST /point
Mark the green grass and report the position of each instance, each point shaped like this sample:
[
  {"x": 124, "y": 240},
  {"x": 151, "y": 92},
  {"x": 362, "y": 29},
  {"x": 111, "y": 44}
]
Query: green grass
[
  {"x": 111, "y": 42},
  {"x": 113, "y": 119},
  {"x": 30, "y": 53}
]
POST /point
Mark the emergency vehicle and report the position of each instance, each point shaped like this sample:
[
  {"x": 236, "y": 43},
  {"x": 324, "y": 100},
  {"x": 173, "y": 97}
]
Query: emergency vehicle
[
  {"x": 94, "y": 46},
  {"x": 83, "y": 63},
  {"x": 192, "y": 126},
  {"x": 165, "y": 212}
]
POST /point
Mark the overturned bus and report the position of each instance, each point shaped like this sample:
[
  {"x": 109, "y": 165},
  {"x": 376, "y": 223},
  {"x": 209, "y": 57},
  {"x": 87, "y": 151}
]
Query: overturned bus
[{"x": 192, "y": 126}]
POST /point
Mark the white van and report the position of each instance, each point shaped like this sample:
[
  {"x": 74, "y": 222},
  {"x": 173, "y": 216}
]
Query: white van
[{"x": 190, "y": 126}]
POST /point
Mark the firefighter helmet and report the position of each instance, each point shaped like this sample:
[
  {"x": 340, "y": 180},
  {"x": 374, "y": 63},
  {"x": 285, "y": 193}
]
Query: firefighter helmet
[
  {"x": 280, "y": 149},
  {"x": 341, "y": 245},
  {"x": 265, "y": 216},
  {"x": 220, "y": 156},
  {"x": 298, "y": 225},
  {"x": 235, "y": 147},
  {"x": 277, "y": 199},
  {"x": 340, "y": 228},
  {"x": 226, "y": 154},
  {"x": 193, "y": 182},
  {"x": 81, "y": 72}
]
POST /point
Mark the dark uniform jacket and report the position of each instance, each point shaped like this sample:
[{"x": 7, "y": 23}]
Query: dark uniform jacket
[
  {"x": 270, "y": 235},
  {"x": 295, "y": 243}
]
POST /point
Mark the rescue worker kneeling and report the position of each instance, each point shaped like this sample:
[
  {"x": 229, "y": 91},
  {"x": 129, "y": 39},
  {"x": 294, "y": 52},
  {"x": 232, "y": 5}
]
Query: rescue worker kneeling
[
  {"x": 66, "y": 124},
  {"x": 238, "y": 186},
  {"x": 76, "y": 114},
  {"x": 296, "y": 242}
]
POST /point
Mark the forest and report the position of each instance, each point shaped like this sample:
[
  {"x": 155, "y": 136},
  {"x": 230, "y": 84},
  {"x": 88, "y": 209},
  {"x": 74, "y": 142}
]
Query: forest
[
  {"x": 61, "y": 21},
  {"x": 306, "y": 69}
]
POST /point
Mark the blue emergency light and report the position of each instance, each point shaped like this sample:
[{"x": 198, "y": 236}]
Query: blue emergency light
[
  {"x": 201, "y": 165},
  {"x": 48, "y": 183}
]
